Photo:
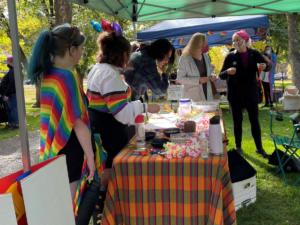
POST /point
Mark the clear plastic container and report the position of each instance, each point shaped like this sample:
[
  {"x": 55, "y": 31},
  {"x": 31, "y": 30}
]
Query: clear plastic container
[{"x": 185, "y": 107}]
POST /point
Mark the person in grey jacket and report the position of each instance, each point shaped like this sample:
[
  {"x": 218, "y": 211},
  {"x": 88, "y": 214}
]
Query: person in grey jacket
[{"x": 194, "y": 70}]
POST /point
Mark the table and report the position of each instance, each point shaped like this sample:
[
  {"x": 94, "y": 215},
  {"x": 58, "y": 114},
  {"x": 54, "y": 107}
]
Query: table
[{"x": 152, "y": 190}]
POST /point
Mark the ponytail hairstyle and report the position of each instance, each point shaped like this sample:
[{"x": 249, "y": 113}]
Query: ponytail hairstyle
[{"x": 50, "y": 44}]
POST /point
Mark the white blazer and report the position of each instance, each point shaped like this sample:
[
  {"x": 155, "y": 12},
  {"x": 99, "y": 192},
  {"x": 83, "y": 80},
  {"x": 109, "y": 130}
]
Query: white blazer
[{"x": 188, "y": 75}]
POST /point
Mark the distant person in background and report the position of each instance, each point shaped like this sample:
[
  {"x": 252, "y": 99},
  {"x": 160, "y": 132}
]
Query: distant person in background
[
  {"x": 142, "y": 73},
  {"x": 8, "y": 93},
  {"x": 195, "y": 70},
  {"x": 267, "y": 78},
  {"x": 240, "y": 71},
  {"x": 134, "y": 46}
]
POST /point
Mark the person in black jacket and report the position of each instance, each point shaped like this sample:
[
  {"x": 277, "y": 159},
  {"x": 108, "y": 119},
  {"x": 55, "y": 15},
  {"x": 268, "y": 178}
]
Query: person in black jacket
[
  {"x": 240, "y": 70},
  {"x": 8, "y": 93}
]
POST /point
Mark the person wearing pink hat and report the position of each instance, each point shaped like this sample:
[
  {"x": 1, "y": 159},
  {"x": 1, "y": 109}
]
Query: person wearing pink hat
[
  {"x": 240, "y": 71},
  {"x": 8, "y": 93}
]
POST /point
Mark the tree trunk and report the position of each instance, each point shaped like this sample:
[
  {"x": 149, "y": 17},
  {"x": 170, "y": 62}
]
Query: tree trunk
[
  {"x": 294, "y": 52},
  {"x": 63, "y": 12}
]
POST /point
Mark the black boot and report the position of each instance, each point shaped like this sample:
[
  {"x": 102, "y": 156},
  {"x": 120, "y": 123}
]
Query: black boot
[
  {"x": 239, "y": 150},
  {"x": 262, "y": 152}
]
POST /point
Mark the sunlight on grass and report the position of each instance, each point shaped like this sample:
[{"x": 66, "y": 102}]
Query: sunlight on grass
[
  {"x": 277, "y": 203},
  {"x": 32, "y": 115}
]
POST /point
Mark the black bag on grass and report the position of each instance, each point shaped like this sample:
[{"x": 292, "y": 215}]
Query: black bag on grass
[
  {"x": 292, "y": 165},
  {"x": 239, "y": 168}
]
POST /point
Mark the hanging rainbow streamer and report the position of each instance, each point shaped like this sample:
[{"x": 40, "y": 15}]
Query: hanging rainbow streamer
[{"x": 80, "y": 188}]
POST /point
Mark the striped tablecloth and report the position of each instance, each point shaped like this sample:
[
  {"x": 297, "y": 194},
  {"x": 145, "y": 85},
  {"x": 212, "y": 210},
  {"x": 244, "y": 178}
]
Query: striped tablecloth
[{"x": 152, "y": 190}]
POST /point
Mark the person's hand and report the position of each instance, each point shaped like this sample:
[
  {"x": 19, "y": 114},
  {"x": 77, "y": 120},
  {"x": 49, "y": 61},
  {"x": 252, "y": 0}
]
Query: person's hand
[
  {"x": 213, "y": 78},
  {"x": 153, "y": 108},
  {"x": 91, "y": 167},
  {"x": 5, "y": 98},
  {"x": 105, "y": 177},
  {"x": 231, "y": 71},
  {"x": 203, "y": 80}
]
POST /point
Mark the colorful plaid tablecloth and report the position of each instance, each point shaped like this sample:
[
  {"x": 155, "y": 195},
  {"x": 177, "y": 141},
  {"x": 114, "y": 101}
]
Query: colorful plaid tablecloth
[{"x": 152, "y": 190}]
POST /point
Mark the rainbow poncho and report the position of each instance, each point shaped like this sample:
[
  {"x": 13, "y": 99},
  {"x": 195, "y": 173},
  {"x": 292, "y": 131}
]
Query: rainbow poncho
[{"x": 62, "y": 103}]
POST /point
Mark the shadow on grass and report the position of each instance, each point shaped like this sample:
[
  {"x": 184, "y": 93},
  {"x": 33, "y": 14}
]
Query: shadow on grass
[{"x": 291, "y": 177}]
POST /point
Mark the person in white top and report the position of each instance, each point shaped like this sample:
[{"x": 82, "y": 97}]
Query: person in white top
[
  {"x": 195, "y": 70},
  {"x": 110, "y": 107}
]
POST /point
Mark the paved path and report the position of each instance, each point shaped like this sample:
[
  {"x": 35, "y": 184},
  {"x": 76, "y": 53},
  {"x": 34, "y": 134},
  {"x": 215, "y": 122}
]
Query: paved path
[{"x": 10, "y": 153}]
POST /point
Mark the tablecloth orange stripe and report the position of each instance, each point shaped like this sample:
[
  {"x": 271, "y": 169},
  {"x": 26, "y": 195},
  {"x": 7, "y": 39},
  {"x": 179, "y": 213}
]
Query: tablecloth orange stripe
[{"x": 152, "y": 190}]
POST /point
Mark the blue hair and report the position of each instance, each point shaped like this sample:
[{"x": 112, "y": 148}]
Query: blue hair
[{"x": 40, "y": 61}]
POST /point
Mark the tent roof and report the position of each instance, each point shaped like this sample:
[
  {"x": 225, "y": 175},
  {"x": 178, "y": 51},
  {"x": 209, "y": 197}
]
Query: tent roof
[
  {"x": 174, "y": 28},
  {"x": 146, "y": 10}
]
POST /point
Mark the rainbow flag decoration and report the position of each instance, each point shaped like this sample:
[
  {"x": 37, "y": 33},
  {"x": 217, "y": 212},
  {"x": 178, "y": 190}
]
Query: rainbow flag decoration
[{"x": 11, "y": 184}]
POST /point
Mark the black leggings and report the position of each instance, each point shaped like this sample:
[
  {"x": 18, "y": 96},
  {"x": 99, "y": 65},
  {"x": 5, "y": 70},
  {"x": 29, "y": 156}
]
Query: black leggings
[{"x": 237, "y": 115}]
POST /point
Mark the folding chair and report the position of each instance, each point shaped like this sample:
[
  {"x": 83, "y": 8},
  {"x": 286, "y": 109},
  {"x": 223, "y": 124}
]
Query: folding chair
[{"x": 290, "y": 144}]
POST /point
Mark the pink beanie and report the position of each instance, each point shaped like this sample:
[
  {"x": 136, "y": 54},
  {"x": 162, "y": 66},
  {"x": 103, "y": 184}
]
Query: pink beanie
[{"x": 243, "y": 34}]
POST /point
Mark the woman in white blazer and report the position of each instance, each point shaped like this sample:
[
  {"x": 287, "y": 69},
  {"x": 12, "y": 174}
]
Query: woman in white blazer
[{"x": 194, "y": 70}]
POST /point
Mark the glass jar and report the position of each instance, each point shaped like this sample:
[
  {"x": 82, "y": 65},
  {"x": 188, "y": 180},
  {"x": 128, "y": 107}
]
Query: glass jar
[{"x": 185, "y": 107}]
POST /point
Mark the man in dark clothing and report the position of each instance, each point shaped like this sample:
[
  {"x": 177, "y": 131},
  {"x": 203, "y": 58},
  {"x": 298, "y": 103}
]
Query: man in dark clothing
[
  {"x": 8, "y": 93},
  {"x": 142, "y": 73},
  {"x": 240, "y": 71}
]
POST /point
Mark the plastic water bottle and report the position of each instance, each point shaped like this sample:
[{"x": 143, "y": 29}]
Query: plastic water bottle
[{"x": 140, "y": 131}]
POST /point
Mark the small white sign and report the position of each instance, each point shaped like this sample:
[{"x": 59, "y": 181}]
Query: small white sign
[
  {"x": 47, "y": 195},
  {"x": 7, "y": 211},
  {"x": 175, "y": 92}
]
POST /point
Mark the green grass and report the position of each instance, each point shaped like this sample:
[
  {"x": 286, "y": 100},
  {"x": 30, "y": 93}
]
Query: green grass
[
  {"x": 279, "y": 83},
  {"x": 277, "y": 203},
  {"x": 32, "y": 115}
]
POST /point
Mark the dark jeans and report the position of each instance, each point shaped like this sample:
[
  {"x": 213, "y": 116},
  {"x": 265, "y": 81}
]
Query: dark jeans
[
  {"x": 12, "y": 110},
  {"x": 237, "y": 115},
  {"x": 88, "y": 202},
  {"x": 267, "y": 92}
]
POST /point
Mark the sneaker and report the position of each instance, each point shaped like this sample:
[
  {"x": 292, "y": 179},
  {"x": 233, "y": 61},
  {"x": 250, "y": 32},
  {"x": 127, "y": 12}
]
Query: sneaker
[
  {"x": 239, "y": 150},
  {"x": 262, "y": 152},
  {"x": 265, "y": 106}
]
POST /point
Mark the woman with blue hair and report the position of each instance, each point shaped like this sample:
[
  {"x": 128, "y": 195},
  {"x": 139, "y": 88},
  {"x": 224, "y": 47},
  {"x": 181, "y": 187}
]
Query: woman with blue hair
[{"x": 64, "y": 122}]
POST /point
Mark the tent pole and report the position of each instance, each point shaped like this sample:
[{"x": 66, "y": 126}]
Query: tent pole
[
  {"x": 134, "y": 30},
  {"x": 19, "y": 84}
]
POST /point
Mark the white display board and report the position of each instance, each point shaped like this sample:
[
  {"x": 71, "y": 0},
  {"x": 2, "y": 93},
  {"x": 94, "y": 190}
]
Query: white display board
[
  {"x": 175, "y": 92},
  {"x": 47, "y": 195},
  {"x": 7, "y": 210}
]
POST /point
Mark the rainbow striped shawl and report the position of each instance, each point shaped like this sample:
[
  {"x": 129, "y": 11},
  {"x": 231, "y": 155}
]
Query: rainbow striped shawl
[{"x": 62, "y": 103}]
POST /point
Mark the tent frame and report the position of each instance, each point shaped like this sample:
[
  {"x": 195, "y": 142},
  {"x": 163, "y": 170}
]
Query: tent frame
[{"x": 19, "y": 84}]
